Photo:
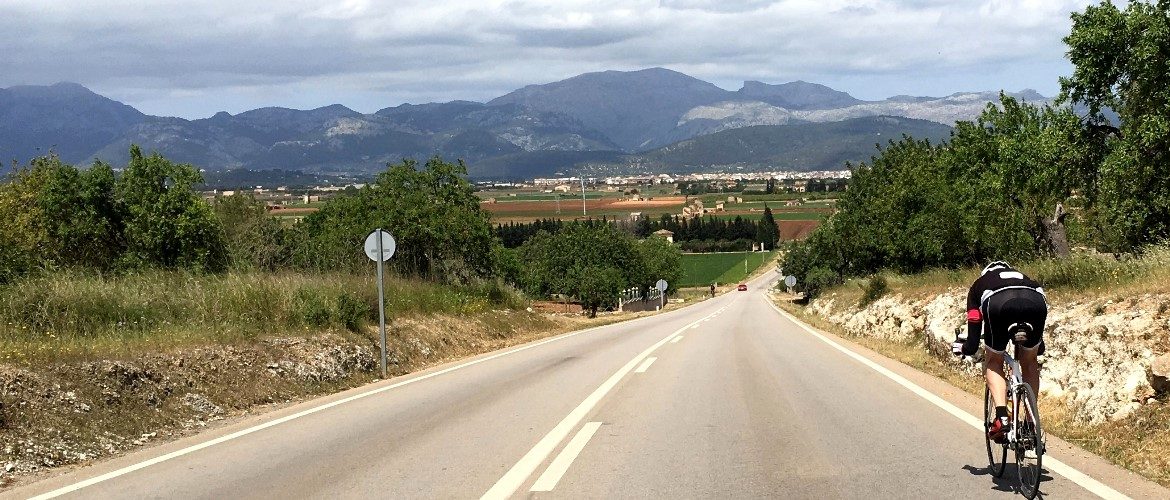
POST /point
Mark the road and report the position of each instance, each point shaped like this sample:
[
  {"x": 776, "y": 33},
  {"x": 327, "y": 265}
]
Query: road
[{"x": 724, "y": 399}]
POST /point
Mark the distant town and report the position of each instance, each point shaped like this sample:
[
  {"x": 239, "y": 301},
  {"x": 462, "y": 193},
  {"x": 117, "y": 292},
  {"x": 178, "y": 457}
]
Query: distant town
[{"x": 292, "y": 198}]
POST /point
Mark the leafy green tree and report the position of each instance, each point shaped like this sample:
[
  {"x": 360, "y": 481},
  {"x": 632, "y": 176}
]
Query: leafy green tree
[
  {"x": 598, "y": 286},
  {"x": 661, "y": 260},
  {"x": 166, "y": 223},
  {"x": 1017, "y": 167},
  {"x": 24, "y": 238},
  {"x": 1122, "y": 61},
  {"x": 767, "y": 232},
  {"x": 441, "y": 231},
  {"x": 554, "y": 263},
  {"x": 254, "y": 239},
  {"x": 81, "y": 214}
]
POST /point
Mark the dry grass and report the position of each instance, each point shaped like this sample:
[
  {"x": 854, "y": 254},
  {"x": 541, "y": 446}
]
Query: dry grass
[
  {"x": 1083, "y": 276},
  {"x": 74, "y": 315}
]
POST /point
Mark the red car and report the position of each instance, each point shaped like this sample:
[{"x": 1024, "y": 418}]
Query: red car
[{"x": 742, "y": 287}]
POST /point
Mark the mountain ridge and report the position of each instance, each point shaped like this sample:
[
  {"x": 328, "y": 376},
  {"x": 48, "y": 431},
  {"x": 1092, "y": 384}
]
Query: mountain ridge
[{"x": 589, "y": 117}]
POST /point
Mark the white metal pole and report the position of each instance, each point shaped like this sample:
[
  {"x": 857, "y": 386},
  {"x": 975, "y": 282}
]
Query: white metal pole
[
  {"x": 381, "y": 304},
  {"x": 582, "y": 195}
]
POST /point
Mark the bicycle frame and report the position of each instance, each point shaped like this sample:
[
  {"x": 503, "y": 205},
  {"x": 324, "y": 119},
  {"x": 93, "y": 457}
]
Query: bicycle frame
[{"x": 1015, "y": 382}]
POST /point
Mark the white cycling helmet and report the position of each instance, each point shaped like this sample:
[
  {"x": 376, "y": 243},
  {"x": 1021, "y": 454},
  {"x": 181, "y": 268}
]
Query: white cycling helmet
[{"x": 999, "y": 264}]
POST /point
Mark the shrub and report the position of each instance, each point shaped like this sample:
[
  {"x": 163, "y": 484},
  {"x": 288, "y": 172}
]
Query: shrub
[
  {"x": 818, "y": 279},
  {"x": 312, "y": 309},
  {"x": 353, "y": 312},
  {"x": 875, "y": 288}
]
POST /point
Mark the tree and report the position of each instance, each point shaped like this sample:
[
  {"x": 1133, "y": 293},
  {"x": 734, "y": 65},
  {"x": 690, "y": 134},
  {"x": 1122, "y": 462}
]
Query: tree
[
  {"x": 433, "y": 213},
  {"x": 598, "y": 286},
  {"x": 558, "y": 263},
  {"x": 768, "y": 233},
  {"x": 662, "y": 260},
  {"x": 254, "y": 239},
  {"x": 1121, "y": 61},
  {"x": 166, "y": 223}
]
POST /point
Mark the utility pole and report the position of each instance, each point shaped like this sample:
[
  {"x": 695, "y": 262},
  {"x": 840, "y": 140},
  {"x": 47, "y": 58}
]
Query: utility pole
[{"x": 582, "y": 195}]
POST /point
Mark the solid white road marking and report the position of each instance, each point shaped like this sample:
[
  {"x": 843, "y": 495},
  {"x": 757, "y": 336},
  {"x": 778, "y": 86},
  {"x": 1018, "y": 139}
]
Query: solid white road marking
[
  {"x": 694, "y": 327},
  {"x": 1080, "y": 478},
  {"x": 191, "y": 449},
  {"x": 676, "y": 339},
  {"x": 511, "y": 481},
  {"x": 556, "y": 470},
  {"x": 645, "y": 365}
]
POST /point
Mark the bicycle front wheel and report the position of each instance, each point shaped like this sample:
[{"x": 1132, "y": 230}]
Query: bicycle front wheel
[
  {"x": 1029, "y": 445},
  {"x": 994, "y": 450}
]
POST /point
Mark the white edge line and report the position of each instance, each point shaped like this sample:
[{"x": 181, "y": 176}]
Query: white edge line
[
  {"x": 560, "y": 465},
  {"x": 207, "y": 444},
  {"x": 1080, "y": 478},
  {"x": 645, "y": 365},
  {"x": 515, "y": 477},
  {"x": 676, "y": 339}
]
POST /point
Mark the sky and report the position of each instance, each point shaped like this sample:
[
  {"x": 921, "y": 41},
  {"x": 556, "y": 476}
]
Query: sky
[{"x": 194, "y": 58}]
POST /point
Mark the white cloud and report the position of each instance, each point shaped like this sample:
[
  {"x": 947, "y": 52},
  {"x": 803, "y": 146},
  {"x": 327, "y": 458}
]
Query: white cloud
[{"x": 193, "y": 58}]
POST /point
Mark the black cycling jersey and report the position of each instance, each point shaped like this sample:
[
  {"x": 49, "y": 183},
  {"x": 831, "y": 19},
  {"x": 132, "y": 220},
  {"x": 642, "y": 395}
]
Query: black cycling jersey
[{"x": 1001, "y": 297}]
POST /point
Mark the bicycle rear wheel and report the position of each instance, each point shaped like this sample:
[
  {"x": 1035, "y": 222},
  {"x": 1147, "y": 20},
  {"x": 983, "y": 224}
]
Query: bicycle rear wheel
[
  {"x": 1029, "y": 446},
  {"x": 996, "y": 467}
]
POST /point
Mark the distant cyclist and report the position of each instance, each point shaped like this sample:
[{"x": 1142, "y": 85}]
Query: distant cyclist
[{"x": 1000, "y": 304}]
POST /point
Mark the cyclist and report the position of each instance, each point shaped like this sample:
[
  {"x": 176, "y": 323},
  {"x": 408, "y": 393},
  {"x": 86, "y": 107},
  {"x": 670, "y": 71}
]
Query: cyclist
[{"x": 1000, "y": 303}]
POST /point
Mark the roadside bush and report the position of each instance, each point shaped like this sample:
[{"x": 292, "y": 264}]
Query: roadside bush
[
  {"x": 874, "y": 289},
  {"x": 817, "y": 280},
  {"x": 312, "y": 309},
  {"x": 353, "y": 312}
]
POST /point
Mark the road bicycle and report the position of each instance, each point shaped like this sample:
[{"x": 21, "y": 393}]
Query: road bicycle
[{"x": 1025, "y": 438}]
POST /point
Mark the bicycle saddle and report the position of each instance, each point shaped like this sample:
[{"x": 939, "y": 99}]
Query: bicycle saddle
[{"x": 1020, "y": 331}]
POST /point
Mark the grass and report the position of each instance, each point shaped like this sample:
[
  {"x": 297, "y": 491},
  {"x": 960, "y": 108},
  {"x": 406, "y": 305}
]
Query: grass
[
  {"x": 71, "y": 314},
  {"x": 1082, "y": 276},
  {"x": 701, "y": 269}
]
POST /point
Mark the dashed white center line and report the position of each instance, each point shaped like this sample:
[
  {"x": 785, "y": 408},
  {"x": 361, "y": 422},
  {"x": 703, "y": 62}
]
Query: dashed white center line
[
  {"x": 519, "y": 473},
  {"x": 645, "y": 365},
  {"x": 676, "y": 339},
  {"x": 556, "y": 470},
  {"x": 694, "y": 327}
]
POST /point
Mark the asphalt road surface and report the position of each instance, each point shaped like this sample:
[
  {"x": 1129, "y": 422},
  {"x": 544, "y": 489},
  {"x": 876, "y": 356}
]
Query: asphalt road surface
[{"x": 724, "y": 399}]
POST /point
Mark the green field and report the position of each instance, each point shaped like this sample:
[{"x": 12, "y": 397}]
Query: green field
[{"x": 701, "y": 269}]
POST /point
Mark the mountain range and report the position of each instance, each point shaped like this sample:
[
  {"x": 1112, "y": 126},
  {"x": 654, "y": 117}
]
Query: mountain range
[{"x": 608, "y": 121}]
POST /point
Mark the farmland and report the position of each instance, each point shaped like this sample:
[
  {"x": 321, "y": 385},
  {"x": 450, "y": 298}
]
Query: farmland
[
  {"x": 526, "y": 205},
  {"x": 702, "y": 269}
]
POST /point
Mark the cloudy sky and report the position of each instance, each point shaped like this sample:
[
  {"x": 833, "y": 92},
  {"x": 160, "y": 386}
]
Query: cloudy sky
[{"x": 197, "y": 57}]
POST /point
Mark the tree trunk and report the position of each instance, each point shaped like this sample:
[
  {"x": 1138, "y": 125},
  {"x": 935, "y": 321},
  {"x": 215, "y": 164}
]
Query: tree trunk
[{"x": 1054, "y": 234}]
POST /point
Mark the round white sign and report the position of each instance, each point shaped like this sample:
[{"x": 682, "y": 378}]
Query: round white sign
[
  {"x": 661, "y": 285},
  {"x": 388, "y": 245},
  {"x": 790, "y": 281}
]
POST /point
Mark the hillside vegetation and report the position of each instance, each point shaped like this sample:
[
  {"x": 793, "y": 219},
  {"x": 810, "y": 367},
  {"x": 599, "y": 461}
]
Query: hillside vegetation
[{"x": 1022, "y": 181}]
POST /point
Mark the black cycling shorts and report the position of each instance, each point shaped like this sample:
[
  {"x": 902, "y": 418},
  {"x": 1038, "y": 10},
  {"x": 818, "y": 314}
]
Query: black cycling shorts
[{"x": 1008, "y": 307}]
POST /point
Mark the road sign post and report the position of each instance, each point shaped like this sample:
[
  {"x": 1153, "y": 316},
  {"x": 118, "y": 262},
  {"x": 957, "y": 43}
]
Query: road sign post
[
  {"x": 661, "y": 285},
  {"x": 380, "y": 246}
]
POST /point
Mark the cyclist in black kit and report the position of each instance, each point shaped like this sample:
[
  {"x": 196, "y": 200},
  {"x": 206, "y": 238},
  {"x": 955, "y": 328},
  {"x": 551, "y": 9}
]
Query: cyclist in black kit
[{"x": 1001, "y": 304}]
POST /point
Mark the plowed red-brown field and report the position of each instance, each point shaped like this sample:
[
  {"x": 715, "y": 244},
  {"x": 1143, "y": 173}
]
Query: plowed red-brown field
[{"x": 796, "y": 229}]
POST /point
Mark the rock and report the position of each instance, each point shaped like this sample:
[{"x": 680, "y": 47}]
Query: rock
[{"x": 1159, "y": 374}]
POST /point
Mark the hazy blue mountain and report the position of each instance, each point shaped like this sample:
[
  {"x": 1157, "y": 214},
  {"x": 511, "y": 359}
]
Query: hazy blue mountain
[
  {"x": 64, "y": 117},
  {"x": 609, "y": 120},
  {"x": 796, "y": 146},
  {"x": 800, "y": 146},
  {"x": 634, "y": 109}
]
